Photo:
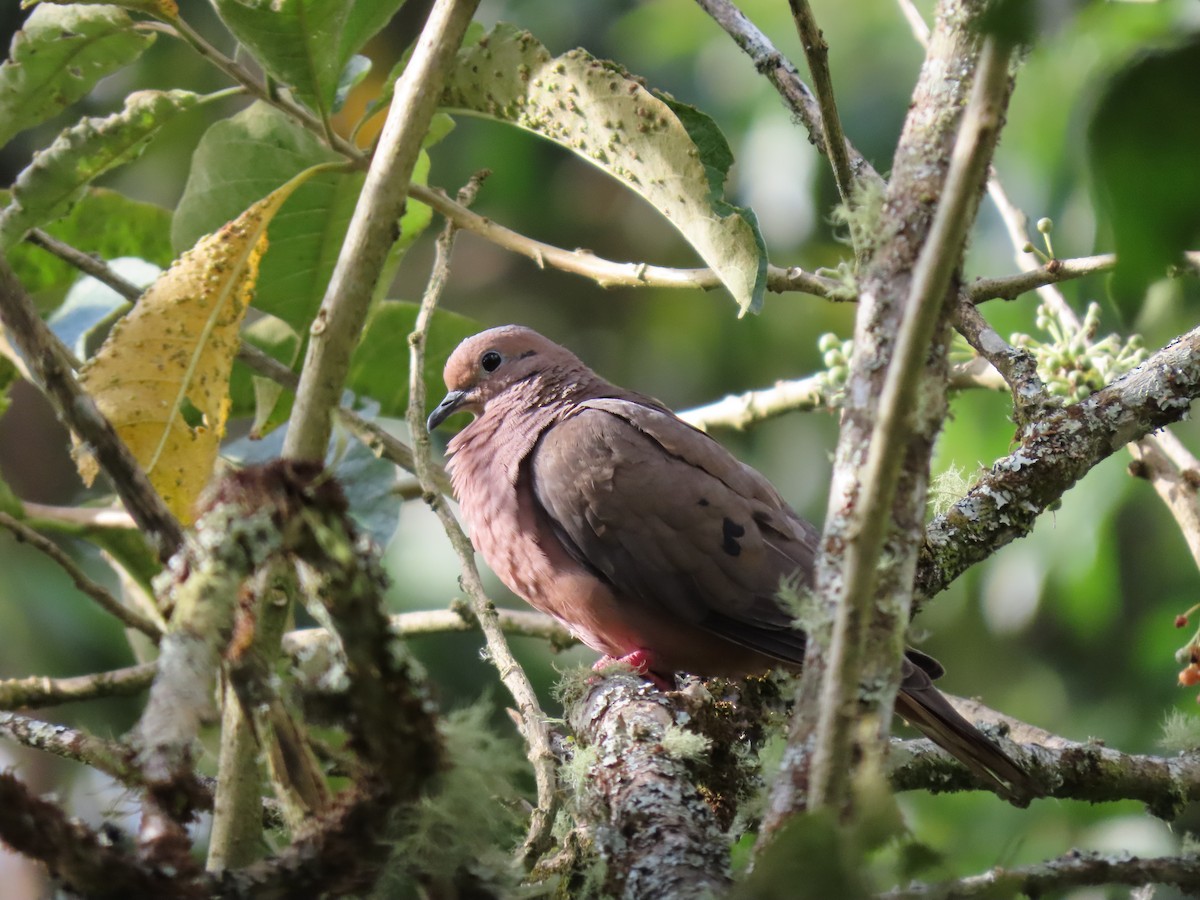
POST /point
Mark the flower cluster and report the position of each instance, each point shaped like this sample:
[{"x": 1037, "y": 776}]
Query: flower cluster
[
  {"x": 836, "y": 356},
  {"x": 1072, "y": 363}
]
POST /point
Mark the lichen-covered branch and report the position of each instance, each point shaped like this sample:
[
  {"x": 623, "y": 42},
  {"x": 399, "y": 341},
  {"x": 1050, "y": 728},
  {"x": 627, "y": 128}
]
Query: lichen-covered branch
[
  {"x": 1017, "y": 366},
  {"x": 1055, "y": 452},
  {"x": 895, "y": 404},
  {"x": 1075, "y": 869},
  {"x": 636, "y": 799},
  {"x": 108, "y": 757},
  {"x": 1071, "y": 771}
]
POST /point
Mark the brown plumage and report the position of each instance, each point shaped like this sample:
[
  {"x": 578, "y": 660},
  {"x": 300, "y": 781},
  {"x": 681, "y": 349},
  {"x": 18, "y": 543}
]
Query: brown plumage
[{"x": 641, "y": 534}]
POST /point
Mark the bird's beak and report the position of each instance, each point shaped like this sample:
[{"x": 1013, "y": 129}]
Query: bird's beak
[{"x": 450, "y": 403}]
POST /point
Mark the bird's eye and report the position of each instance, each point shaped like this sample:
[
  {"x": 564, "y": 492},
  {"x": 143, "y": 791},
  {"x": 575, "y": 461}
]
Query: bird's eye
[{"x": 490, "y": 361}]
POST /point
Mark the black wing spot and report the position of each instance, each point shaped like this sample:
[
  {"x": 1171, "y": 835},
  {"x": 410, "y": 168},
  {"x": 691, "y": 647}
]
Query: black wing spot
[
  {"x": 730, "y": 532},
  {"x": 704, "y": 502}
]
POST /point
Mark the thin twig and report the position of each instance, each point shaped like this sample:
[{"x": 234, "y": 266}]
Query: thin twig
[
  {"x": 234, "y": 70},
  {"x": 783, "y": 76},
  {"x": 372, "y": 231},
  {"x": 1175, "y": 473},
  {"x": 52, "y": 364},
  {"x": 523, "y": 623},
  {"x": 1009, "y": 287},
  {"x": 38, "y": 690},
  {"x": 608, "y": 273},
  {"x": 130, "y": 618},
  {"x": 816, "y": 51},
  {"x": 740, "y": 411},
  {"x": 533, "y": 723},
  {"x": 1017, "y": 366}
]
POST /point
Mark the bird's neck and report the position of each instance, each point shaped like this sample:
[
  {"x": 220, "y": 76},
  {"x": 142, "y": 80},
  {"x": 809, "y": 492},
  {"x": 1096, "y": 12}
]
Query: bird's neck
[{"x": 512, "y": 423}]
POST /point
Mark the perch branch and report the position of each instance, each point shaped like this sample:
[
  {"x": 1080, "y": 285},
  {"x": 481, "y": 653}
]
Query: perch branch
[{"x": 639, "y": 802}]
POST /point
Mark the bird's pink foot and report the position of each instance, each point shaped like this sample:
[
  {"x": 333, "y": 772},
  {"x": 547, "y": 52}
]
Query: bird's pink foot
[{"x": 642, "y": 662}]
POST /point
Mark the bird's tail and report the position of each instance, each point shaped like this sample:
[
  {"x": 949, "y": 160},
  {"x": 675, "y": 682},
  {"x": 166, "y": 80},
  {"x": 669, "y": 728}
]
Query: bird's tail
[{"x": 925, "y": 707}]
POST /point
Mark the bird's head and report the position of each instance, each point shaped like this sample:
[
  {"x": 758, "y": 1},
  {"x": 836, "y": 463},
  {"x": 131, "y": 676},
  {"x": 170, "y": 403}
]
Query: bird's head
[{"x": 487, "y": 364}]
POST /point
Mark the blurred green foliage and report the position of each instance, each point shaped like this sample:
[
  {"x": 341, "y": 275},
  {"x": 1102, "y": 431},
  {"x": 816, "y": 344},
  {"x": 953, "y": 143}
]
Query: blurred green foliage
[{"x": 1070, "y": 629}]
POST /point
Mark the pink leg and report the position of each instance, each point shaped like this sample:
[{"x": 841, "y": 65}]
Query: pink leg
[{"x": 641, "y": 661}]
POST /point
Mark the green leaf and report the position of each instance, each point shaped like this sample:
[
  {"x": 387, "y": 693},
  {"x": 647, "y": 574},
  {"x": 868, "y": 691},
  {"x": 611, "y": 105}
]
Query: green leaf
[
  {"x": 352, "y": 75},
  {"x": 59, "y": 175},
  {"x": 670, "y": 154},
  {"x": 369, "y": 481},
  {"x": 297, "y": 41},
  {"x": 379, "y": 369},
  {"x": 103, "y": 223},
  {"x": 57, "y": 58},
  {"x": 242, "y": 159},
  {"x": 8, "y": 376},
  {"x": 363, "y": 22},
  {"x": 163, "y": 9},
  {"x": 275, "y": 338},
  {"x": 1142, "y": 141}
]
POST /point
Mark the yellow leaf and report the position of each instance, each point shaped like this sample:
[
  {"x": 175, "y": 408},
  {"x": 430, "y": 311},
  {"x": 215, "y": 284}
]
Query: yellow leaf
[{"x": 169, "y": 360}]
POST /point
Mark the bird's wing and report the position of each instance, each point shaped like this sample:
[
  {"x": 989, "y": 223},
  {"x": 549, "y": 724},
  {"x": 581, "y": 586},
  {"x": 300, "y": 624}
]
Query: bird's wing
[{"x": 667, "y": 516}]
